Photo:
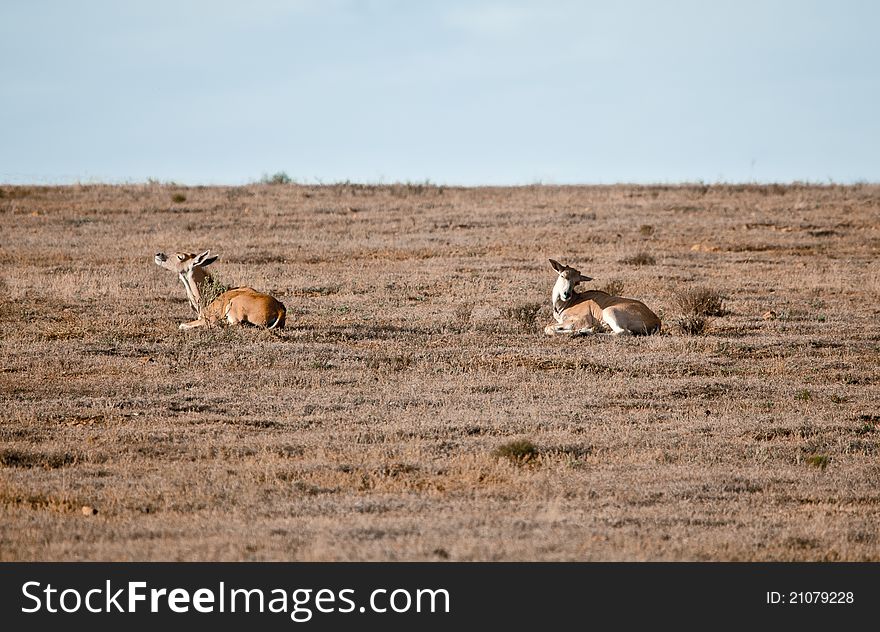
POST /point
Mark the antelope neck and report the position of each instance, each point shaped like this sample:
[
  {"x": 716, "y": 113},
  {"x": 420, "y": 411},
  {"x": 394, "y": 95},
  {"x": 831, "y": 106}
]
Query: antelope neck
[
  {"x": 559, "y": 305},
  {"x": 192, "y": 289}
]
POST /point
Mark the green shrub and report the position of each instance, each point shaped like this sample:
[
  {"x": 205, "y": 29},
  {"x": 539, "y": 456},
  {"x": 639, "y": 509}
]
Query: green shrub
[
  {"x": 279, "y": 177},
  {"x": 518, "y": 451},
  {"x": 209, "y": 291},
  {"x": 818, "y": 460}
]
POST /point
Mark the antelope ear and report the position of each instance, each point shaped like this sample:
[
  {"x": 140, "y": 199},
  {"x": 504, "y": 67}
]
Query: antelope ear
[
  {"x": 557, "y": 266},
  {"x": 201, "y": 260},
  {"x": 584, "y": 278}
]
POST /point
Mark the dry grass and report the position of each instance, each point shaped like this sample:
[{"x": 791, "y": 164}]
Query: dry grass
[{"x": 370, "y": 428}]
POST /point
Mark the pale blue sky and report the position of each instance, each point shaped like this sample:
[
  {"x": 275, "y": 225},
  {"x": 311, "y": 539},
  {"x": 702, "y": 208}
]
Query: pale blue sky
[{"x": 216, "y": 91}]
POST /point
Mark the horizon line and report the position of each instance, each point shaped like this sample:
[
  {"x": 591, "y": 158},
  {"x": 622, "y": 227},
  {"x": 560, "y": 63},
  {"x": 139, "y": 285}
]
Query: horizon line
[{"x": 266, "y": 180}]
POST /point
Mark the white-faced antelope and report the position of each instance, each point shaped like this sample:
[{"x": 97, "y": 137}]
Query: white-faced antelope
[
  {"x": 238, "y": 306},
  {"x": 584, "y": 312}
]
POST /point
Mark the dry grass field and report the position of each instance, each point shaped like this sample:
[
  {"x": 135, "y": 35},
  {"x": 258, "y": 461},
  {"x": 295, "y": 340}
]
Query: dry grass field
[{"x": 413, "y": 409}]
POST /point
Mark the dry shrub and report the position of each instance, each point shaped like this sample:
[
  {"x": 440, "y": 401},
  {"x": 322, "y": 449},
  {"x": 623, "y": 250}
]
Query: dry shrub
[
  {"x": 461, "y": 317},
  {"x": 696, "y": 305},
  {"x": 10, "y": 457},
  {"x": 614, "y": 287},
  {"x": 178, "y": 198},
  {"x": 392, "y": 362},
  {"x": 641, "y": 258},
  {"x": 700, "y": 301},
  {"x": 522, "y": 313},
  {"x": 318, "y": 290},
  {"x": 692, "y": 325}
]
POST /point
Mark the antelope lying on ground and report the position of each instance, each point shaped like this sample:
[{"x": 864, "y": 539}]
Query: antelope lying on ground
[
  {"x": 238, "y": 306},
  {"x": 584, "y": 312}
]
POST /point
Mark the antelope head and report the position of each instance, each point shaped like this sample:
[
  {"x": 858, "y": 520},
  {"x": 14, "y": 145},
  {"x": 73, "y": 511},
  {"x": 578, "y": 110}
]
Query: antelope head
[
  {"x": 189, "y": 269},
  {"x": 567, "y": 279}
]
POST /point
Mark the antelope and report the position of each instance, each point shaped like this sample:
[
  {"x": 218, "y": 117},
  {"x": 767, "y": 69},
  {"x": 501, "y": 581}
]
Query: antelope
[
  {"x": 585, "y": 312},
  {"x": 238, "y": 306}
]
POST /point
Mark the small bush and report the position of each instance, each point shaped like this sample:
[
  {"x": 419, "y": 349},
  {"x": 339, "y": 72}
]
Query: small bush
[
  {"x": 178, "y": 198},
  {"x": 818, "y": 460},
  {"x": 640, "y": 258},
  {"x": 461, "y": 317},
  {"x": 692, "y": 325},
  {"x": 700, "y": 301},
  {"x": 280, "y": 177},
  {"x": 695, "y": 305},
  {"x": 319, "y": 290},
  {"x": 519, "y": 451},
  {"x": 523, "y": 313},
  {"x": 210, "y": 290},
  {"x": 395, "y": 362},
  {"x": 614, "y": 287},
  {"x": 646, "y": 230},
  {"x": 402, "y": 189}
]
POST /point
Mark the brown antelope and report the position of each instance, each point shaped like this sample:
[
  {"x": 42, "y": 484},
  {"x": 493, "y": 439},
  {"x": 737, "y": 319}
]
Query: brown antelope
[
  {"x": 584, "y": 312},
  {"x": 238, "y": 306}
]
